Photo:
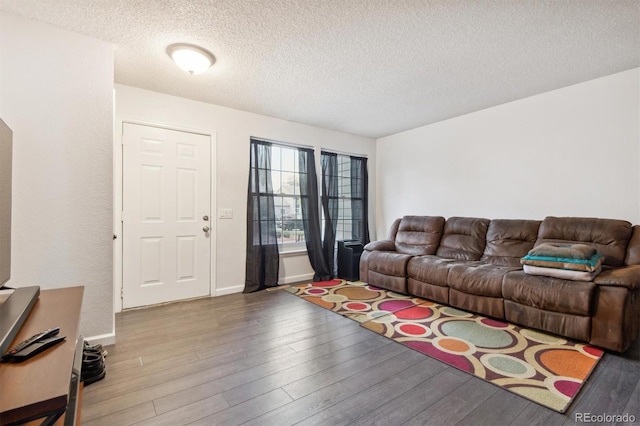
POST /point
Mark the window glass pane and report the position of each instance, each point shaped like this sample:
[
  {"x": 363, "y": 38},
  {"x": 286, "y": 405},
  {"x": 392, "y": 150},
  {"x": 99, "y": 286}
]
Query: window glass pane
[
  {"x": 299, "y": 236},
  {"x": 288, "y": 208},
  {"x": 267, "y": 232},
  {"x": 296, "y": 184},
  {"x": 299, "y": 209},
  {"x": 279, "y": 208},
  {"x": 255, "y": 211},
  {"x": 252, "y": 181},
  {"x": 263, "y": 209},
  {"x": 262, "y": 180},
  {"x": 289, "y": 157},
  {"x": 288, "y": 183},
  {"x": 276, "y": 181},
  {"x": 275, "y": 157}
]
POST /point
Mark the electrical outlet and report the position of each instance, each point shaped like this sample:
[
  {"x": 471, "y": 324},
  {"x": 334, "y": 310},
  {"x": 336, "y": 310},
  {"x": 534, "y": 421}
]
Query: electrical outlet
[{"x": 225, "y": 213}]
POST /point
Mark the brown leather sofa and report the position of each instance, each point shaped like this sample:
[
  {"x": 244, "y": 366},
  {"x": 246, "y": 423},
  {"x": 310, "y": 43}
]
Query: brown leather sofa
[{"x": 474, "y": 264}]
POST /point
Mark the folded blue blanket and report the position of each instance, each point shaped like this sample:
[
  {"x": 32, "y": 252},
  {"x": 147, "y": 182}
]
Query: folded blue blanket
[
  {"x": 592, "y": 264},
  {"x": 592, "y": 261}
]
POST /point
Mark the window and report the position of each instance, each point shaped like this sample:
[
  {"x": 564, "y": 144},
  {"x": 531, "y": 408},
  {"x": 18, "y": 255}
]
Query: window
[
  {"x": 283, "y": 213},
  {"x": 280, "y": 203},
  {"x": 285, "y": 179},
  {"x": 345, "y": 187}
]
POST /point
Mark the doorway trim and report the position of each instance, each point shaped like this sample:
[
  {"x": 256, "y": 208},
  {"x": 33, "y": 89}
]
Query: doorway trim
[{"x": 117, "y": 201}]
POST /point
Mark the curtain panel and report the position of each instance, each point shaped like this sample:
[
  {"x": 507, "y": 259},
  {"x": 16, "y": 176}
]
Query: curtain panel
[
  {"x": 330, "y": 204},
  {"x": 311, "y": 214},
  {"x": 263, "y": 258},
  {"x": 335, "y": 182}
]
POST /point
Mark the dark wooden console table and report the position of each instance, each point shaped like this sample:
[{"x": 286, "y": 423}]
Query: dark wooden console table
[{"x": 40, "y": 388}]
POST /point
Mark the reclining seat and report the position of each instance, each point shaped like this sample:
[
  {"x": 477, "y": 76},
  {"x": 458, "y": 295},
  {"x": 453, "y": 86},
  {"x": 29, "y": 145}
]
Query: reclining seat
[
  {"x": 561, "y": 306},
  {"x": 615, "y": 323},
  {"x": 384, "y": 263},
  {"x": 463, "y": 241},
  {"x": 477, "y": 287}
]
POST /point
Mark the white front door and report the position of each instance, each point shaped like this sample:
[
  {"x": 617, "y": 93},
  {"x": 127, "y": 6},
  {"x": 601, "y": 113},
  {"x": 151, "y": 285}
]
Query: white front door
[{"x": 166, "y": 215}]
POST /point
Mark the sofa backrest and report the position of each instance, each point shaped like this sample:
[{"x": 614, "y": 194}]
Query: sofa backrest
[
  {"x": 608, "y": 236},
  {"x": 419, "y": 235},
  {"x": 633, "y": 249},
  {"x": 464, "y": 238},
  {"x": 508, "y": 240},
  {"x": 394, "y": 229}
]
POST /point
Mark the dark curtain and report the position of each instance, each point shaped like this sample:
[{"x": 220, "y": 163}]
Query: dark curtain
[
  {"x": 330, "y": 182},
  {"x": 263, "y": 259},
  {"x": 311, "y": 214},
  {"x": 360, "y": 200}
]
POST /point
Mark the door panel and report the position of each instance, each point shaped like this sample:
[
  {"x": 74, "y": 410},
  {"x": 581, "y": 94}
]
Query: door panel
[{"x": 166, "y": 195}]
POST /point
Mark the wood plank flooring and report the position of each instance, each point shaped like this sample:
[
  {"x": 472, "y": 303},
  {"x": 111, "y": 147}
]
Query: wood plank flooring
[{"x": 270, "y": 358}]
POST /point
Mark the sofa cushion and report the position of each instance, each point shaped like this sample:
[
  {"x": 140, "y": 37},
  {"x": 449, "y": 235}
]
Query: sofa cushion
[
  {"x": 509, "y": 240},
  {"x": 549, "y": 294},
  {"x": 388, "y": 263},
  {"x": 464, "y": 238},
  {"x": 485, "y": 305},
  {"x": 431, "y": 269},
  {"x": 478, "y": 278},
  {"x": 608, "y": 236},
  {"x": 419, "y": 235},
  {"x": 633, "y": 250},
  {"x": 572, "y": 326}
]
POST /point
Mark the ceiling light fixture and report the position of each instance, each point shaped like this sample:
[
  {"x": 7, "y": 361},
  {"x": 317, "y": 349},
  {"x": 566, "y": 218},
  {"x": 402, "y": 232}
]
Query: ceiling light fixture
[{"x": 191, "y": 58}]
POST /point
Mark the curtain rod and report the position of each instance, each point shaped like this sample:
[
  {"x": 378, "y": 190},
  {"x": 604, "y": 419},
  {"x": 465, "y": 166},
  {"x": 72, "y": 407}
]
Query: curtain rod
[
  {"x": 299, "y": 145},
  {"x": 289, "y": 144},
  {"x": 350, "y": 154}
]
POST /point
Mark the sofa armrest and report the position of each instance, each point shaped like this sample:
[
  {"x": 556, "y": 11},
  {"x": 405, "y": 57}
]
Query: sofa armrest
[
  {"x": 382, "y": 245},
  {"x": 628, "y": 276}
]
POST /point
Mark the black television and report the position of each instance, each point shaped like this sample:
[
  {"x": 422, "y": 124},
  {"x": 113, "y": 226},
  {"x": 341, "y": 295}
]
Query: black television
[{"x": 15, "y": 304}]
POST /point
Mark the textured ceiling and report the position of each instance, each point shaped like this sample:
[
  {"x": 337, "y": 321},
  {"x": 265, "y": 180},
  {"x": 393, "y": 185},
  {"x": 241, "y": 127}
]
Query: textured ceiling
[{"x": 368, "y": 67}]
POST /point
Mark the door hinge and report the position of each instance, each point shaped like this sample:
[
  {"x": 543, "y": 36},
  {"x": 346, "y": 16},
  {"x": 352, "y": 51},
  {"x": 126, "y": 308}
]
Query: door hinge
[
  {"x": 121, "y": 293},
  {"x": 122, "y": 216}
]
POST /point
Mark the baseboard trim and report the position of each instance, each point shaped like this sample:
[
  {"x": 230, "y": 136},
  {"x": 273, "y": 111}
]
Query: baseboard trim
[
  {"x": 229, "y": 290},
  {"x": 103, "y": 339},
  {"x": 297, "y": 279}
]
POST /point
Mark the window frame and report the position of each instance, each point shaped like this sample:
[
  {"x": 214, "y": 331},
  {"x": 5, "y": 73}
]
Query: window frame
[
  {"x": 346, "y": 159},
  {"x": 295, "y": 197}
]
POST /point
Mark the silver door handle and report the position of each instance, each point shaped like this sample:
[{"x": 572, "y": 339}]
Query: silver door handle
[{"x": 205, "y": 229}]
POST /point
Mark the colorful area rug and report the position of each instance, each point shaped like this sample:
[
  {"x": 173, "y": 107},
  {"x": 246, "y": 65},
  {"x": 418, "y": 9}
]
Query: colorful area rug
[
  {"x": 356, "y": 300},
  {"x": 543, "y": 368}
]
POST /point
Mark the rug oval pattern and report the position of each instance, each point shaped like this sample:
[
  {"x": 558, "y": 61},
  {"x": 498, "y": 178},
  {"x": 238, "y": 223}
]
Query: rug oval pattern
[
  {"x": 482, "y": 336},
  {"x": 546, "y": 369}
]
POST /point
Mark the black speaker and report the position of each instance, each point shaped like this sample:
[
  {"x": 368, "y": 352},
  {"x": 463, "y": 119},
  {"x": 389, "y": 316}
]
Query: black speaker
[{"x": 349, "y": 252}]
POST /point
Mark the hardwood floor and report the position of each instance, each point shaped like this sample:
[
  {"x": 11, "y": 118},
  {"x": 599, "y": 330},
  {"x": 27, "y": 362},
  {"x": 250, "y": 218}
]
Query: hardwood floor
[{"x": 270, "y": 358}]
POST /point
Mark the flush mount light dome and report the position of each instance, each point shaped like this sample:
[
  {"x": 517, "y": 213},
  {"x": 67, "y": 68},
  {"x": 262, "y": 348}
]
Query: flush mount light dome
[{"x": 190, "y": 58}]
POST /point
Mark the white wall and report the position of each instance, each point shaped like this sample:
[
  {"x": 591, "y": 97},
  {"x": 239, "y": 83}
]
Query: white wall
[
  {"x": 56, "y": 94},
  {"x": 233, "y": 129},
  {"x": 569, "y": 152}
]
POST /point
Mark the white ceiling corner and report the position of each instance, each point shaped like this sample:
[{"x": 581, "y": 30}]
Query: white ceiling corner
[{"x": 371, "y": 68}]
